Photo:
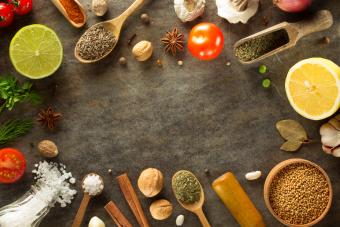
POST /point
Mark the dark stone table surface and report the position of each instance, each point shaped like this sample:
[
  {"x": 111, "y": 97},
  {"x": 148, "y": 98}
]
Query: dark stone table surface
[{"x": 202, "y": 115}]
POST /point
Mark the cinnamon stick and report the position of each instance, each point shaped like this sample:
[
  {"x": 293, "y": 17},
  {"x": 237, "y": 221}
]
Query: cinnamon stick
[
  {"x": 117, "y": 215},
  {"x": 132, "y": 199}
]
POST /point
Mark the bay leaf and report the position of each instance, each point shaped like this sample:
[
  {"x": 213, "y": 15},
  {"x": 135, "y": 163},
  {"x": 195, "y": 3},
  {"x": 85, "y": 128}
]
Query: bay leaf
[
  {"x": 291, "y": 130},
  {"x": 291, "y": 145}
]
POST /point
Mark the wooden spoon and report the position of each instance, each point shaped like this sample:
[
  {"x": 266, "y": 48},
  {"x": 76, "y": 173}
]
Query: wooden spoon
[
  {"x": 63, "y": 11},
  {"x": 322, "y": 20},
  {"x": 115, "y": 26},
  {"x": 195, "y": 208},
  {"x": 85, "y": 201}
]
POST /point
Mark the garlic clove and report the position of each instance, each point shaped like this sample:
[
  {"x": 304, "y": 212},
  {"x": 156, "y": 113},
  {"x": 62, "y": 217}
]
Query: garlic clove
[
  {"x": 330, "y": 136},
  {"x": 96, "y": 222},
  {"x": 226, "y": 9},
  {"x": 189, "y": 10},
  {"x": 335, "y": 122},
  {"x": 180, "y": 220},
  {"x": 336, "y": 152},
  {"x": 99, "y": 7},
  {"x": 253, "y": 175}
]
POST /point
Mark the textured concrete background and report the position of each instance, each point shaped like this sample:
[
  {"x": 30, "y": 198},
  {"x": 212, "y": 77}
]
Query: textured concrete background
[{"x": 201, "y": 115}]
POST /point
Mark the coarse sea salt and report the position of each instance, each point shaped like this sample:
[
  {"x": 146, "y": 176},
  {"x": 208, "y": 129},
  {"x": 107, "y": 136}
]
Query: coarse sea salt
[
  {"x": 51, "y": 187},
  {"x": 93, "y": 184}
]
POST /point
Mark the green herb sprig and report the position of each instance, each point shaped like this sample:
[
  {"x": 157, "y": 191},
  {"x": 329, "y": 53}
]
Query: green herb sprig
[
  {"x": 12, "y": 129},
  {"x": 12, "y": 93}
]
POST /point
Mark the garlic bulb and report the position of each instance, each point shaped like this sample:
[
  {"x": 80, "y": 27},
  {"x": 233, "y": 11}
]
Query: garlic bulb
[
  {"x": 189, "y": 10},
  {"x": 330, "y": 136},
  {"x": 236, "y": 11}
]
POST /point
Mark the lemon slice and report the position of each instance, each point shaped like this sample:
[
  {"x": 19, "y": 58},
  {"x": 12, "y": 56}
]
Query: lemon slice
[
  {"x": 36, "y": 51},
  {"x": 313, "y": 88}
]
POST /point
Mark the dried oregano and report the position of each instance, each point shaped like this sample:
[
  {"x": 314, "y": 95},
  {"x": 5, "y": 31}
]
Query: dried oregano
[
  {"x": 294, "y": 133},
  {"x": 186, "y": 187}
]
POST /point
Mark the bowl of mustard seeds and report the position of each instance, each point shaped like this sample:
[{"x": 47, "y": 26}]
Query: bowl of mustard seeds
[{"x": 298, "y": 193}]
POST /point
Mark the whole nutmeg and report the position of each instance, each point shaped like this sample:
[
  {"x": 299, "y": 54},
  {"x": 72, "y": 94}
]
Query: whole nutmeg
[
  {"x": 48, "y": 149},
  {"x": 142, "y": 50},
  {"x": 161, "y": 209},
  {"x": 150, "y": 182},
  {"x": 99, "y": 7}
]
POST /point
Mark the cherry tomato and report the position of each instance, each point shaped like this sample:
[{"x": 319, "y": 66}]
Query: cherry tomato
[
  {"x": 205, "y": 41},
  {"x": 6, "y": 14},
  {"x": 21, "y": 7},
  {"x": 12, "y": 165}
]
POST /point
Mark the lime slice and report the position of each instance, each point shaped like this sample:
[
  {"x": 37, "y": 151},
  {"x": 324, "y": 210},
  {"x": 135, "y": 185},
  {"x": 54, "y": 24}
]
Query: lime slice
[{"x": 36, "y": 51}]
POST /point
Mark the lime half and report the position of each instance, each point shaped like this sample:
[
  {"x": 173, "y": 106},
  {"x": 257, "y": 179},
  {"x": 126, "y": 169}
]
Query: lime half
[{"x": 36, "y": 51}]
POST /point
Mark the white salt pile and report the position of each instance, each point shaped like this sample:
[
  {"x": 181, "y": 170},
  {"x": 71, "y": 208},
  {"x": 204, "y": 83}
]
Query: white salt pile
[{"x": 93, "y": 184}]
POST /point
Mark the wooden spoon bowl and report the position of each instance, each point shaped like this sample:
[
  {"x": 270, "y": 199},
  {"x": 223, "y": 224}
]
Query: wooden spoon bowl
[
  {"x": 275, "y": 171},
  {"x": 196, "y": 208}
]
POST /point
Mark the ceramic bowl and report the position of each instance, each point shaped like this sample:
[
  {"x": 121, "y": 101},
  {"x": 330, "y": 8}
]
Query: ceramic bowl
[{"x": 275, "y": 171}]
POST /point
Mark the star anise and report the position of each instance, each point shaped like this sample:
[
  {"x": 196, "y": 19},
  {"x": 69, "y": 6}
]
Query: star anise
[
  {"x": 48, "y": 117},
  {"x": 173, "y": 41}
]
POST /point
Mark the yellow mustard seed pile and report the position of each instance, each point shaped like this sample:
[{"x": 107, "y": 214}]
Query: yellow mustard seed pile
[{"x": 299, "y": 193}]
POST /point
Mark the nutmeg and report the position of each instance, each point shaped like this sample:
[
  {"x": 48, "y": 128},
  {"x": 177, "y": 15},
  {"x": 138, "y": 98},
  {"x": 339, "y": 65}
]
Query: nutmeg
[
  {"x": 48, "y": 149},
  {"x": 161, "y": 209},
  {"x": 150, "y": 182},
  {"x": 142, "y": 50}
]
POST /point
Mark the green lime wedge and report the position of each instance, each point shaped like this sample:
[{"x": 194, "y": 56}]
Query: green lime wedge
[{"x": 36, "y": 51}]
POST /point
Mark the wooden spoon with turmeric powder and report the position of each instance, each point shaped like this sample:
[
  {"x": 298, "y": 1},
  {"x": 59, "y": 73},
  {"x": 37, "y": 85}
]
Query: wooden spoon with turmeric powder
[{"x": 72, "y": 10}]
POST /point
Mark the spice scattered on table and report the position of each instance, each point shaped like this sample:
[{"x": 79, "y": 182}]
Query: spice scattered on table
[
  {"x": 161, "y": 209},
  {"x": 55, "y": 181},
  {"x": 180, "y": 220},
  {"x": 256, "y": 47},
  {"x": 173, "y": 41},
  {"x": 186, "y": 187},
  {"x": 180, "y": 63},
  {"x": 73, "y": 11},
  {"x": 49, "y": 118},
  {"x": 99, "y": 7},
  {"x": 48, "y": 148},
  {"x": 299, "y": 193},
  {"x": 122, "y": 61},
  {"x": 142, "y": 50},
  {"x": 150, "y": 182},
  {"x": 326, "y": 40},
  {"x": 130, "y": 40},
  {"x": 13, "y": 129},
  {"x": 159, "y": 63},
  {"x": 95, "y": 43},
  {"x": 93, "y": 184},
  {"x": 145, "y": 18}
]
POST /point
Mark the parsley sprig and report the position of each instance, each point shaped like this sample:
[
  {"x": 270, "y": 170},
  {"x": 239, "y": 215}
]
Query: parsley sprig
[{"x": 12, "y": 93}]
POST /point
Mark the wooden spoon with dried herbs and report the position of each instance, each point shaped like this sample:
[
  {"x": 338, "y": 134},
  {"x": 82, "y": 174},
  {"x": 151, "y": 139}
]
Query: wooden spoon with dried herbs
[
  {"x": 189, "y": 194},
  {"x": 100, "y": 39}
]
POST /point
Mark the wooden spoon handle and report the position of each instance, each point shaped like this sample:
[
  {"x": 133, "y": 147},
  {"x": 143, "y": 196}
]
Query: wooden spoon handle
[
  {"x": 203, "y": 219},
  {"x": 81, "y": 211},
  {"x": 130, "y": 10},
  {"x": 322, "y": 20}
]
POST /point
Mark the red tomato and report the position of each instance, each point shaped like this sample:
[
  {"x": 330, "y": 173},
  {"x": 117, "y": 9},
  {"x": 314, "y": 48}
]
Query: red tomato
[
  {"x": 21, "y": 7},
  {"x": 205, "y": 41},
  {"x": 12, "y": 165},
  {"x": 6, "y": 14}
]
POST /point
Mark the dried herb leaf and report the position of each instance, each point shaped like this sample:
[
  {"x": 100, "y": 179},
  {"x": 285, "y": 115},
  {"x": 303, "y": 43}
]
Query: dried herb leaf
[
  {"x": 293, "y": 132},
  {"x": 291, "y": 145}
]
